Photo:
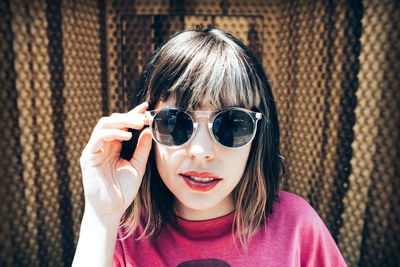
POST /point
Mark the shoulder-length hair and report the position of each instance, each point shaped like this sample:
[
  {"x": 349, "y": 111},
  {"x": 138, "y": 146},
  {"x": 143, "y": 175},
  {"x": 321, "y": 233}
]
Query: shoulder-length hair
[{"x": 208, "y": 67}]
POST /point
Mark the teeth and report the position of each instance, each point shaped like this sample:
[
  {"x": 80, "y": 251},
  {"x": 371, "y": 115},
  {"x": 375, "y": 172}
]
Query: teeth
[{"x": 201, "y": 179}]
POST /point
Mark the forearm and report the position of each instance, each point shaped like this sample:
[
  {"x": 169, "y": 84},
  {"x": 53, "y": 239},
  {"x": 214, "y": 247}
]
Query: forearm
[{"x": 96, "y": 241}]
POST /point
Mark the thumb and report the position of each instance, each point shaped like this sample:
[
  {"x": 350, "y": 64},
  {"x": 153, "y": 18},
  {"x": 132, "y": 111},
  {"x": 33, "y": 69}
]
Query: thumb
[{"x": 142, "y": 151}]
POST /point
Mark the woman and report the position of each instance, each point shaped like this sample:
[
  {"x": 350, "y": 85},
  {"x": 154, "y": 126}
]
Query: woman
[{"x": 206, "y": 191}]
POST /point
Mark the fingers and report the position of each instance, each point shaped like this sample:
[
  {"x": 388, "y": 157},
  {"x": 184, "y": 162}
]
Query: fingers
[
  {"x": 123, "y": 120},
  {"x": 142, "y": 151},
  {"x": 140, "y": 108},
  {"x": 134, "y": 119},
  {"x": 107, "y": 135},
  {"x": 115, "y": 128}
]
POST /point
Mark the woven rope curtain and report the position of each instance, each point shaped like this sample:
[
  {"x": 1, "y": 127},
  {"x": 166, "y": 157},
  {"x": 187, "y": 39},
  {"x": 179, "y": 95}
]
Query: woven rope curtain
[{"x": 333, "y": 67}]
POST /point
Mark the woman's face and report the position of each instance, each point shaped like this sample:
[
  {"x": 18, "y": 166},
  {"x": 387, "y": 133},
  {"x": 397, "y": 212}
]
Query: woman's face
[{"x": 201, "y": 174}]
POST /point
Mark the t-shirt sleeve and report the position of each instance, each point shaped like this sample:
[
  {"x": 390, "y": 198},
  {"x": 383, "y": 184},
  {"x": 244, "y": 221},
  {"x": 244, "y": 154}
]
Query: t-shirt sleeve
[
  {"x": 321, "y": 249},
  {"x": 119, "y": 258},
  {"x": 318, "y": 247}
]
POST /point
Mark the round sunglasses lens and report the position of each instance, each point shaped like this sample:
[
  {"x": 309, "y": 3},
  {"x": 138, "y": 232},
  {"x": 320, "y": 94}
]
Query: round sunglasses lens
[
  {"x": 172, "y": 127},
  {"x": 233, "y": 128}
]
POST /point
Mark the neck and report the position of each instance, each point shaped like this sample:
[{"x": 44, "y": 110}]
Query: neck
[{"x": 221, "y": 209}]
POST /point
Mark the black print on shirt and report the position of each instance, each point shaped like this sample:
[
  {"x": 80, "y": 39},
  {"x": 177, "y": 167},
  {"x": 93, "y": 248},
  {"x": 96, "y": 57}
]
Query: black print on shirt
[{"x": 204, "y": 263}]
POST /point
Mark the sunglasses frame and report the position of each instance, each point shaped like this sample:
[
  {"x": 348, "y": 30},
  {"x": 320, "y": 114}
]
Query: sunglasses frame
[{"x": 210, "y": 115}]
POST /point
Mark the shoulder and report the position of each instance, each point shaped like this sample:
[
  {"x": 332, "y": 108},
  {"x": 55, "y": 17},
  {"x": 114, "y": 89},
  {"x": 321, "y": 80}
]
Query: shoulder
[
  {"x": 290, "y": 198},
  {"x": 129, "y": 244},
  {"x": 291, "y": 203},
  {"x": 292, "y": 210},
  {"x": 125, "y": 233}
]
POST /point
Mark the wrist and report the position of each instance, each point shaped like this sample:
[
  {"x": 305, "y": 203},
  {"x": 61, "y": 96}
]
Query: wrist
[
  {"x": 94, "y": 214},
  {"x": 97, "y": 239},
  {"x": 104, "y": 219}
]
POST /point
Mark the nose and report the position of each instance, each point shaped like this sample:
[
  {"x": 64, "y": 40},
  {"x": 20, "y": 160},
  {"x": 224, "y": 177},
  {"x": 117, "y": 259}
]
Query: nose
[{"x": 202, "y": 145}]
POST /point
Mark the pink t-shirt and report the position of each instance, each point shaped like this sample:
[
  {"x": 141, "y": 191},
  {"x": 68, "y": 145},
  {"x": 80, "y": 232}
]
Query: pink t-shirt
[{"x": 294, "y": 236}]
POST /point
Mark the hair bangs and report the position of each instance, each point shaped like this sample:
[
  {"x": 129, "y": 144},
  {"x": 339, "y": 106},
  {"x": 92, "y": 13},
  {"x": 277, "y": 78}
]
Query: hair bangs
[{"x": 214, "y": 71}]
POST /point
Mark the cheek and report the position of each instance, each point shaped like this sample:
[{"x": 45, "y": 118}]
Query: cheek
[
  {"x": 167, "y": 160},
  {"x": 236, "y": 163},
  {"x": 161, "y": 156}
]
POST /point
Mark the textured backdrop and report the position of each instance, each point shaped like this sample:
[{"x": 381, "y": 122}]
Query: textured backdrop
[{"x": 333, "y": 66}]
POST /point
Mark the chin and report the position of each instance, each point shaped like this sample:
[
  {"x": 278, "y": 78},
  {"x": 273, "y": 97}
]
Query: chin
[{"x": 198, "y": 205}]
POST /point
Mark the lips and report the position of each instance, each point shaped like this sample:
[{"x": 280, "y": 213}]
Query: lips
[{"x": 201, "y": 181}]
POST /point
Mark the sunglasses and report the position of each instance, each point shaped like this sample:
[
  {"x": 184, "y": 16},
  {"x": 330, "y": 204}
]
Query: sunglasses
[{"x": 230, "y": 127}]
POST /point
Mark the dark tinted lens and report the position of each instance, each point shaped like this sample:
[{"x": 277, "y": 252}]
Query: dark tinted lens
[
  {"x": 172, "y": 127},
  {"x": 233, "y": 128}
]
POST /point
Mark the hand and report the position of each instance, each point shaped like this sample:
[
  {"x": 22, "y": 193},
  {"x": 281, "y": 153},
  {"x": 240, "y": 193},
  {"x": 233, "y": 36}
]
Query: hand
[{"x": 111, "y": 183}]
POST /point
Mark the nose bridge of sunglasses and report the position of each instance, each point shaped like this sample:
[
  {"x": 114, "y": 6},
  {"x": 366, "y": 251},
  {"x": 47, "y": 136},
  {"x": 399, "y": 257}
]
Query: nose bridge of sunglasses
[{"x": 203, "y": 114}]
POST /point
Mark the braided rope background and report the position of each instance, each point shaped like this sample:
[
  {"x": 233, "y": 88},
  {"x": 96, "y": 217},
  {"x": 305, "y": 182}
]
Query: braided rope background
[{"x": 333, "y": 67}]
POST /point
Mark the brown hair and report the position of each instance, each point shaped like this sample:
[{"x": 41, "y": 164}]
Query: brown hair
[{"x": 213, "y": 67}]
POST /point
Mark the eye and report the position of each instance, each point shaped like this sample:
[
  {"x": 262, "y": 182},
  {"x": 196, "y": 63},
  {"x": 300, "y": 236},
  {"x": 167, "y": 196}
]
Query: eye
[
  {"x": 171, "y": 124},
  {"x": 217, "y": 124}
]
